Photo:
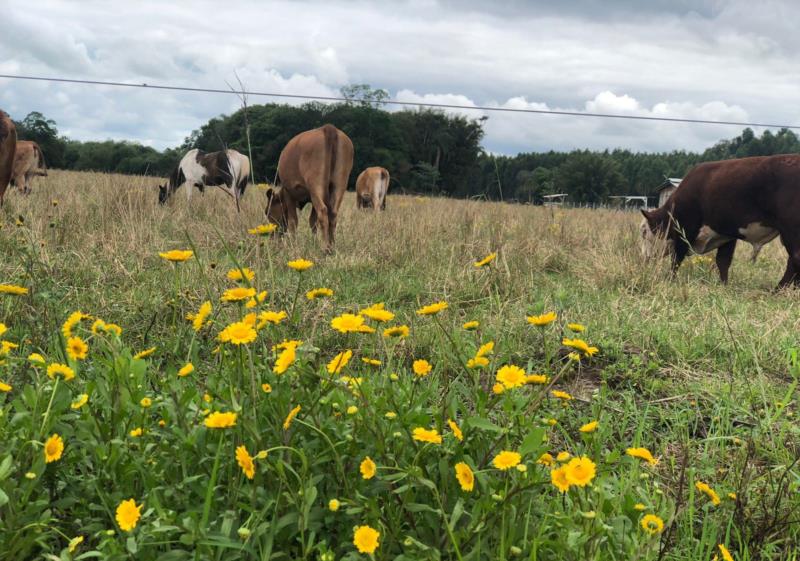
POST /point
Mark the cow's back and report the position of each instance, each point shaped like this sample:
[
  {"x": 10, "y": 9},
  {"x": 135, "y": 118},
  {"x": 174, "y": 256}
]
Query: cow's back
[
  {"x": 8, "y": 145},
  {"x": 324, "y": 152},
  {"x": 25, "y": 158}
]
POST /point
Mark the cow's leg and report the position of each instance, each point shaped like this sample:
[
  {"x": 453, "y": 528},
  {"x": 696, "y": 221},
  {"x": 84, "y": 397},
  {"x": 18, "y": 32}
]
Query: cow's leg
[
  {"x": 383, "y": 203},
  {"x": 681, "y": 249},
  {"x": 724, "y": 258},
  {"x": 321, "y": 210},
  {"x": 312, "y": 221}
]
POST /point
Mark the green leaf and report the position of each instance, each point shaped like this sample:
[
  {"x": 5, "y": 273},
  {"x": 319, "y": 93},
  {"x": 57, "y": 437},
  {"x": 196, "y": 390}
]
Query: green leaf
[
  {"x": 483, "y": 424},
  {"x": 533, "y": 442}
]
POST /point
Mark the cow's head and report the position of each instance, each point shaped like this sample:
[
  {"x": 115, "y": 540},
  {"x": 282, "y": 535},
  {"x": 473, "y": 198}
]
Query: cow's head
[
  {"x": 276, "y": 210},
  {"x": 654, "y": 231},
  {"x": 164, "y": 193}
]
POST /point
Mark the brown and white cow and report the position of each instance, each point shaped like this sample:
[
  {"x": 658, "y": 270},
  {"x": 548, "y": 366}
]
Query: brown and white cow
[
  {"x": 313, "y": 167},
  {"x": 8, "y": 146},
  {"x": 371, "y": 188},
  {"x": 229, "y": 170},
  {"x": 28, "y": 163},
  {"x": 718, "y": 203}
]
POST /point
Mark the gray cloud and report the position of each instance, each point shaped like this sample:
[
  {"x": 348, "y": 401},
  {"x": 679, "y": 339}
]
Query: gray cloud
[{"x": 704, "y": 59}]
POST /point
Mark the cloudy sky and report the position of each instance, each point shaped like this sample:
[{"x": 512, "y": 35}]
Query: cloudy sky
[{"x": 709, "y": 59}]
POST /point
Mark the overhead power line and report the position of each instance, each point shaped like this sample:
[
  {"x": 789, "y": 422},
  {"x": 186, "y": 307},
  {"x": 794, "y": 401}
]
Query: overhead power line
[{"x": 402, "y": 103}]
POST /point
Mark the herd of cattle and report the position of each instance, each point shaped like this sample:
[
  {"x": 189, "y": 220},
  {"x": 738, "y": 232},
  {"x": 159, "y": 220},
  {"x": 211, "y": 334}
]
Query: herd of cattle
[{"x": 717, "y": 204}]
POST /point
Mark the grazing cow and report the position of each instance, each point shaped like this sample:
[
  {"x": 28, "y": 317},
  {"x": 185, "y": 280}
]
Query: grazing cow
[
  {"x": 28, "y": 163},
  {"x": 371, "y": 188},
  {"x": 313, "y": 167},
  {"x": 229, "y": 170},
  {"x": 718, "y": 203},
  {"x": 8, "y": 146}
]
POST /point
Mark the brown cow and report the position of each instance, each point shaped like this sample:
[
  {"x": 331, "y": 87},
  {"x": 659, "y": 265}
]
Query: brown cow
[
  {"x": 8, "y": 145},
  {"x": 371, "y": 188},
  {"x": 718, "y": 203},
  {"x": 313, "y": 167},
  {"x": 28, "y": 163}
]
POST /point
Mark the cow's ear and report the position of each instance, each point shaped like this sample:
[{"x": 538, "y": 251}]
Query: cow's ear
[
  {"x": 645, "y": 213},
  {"x": 270, "y": 193}
]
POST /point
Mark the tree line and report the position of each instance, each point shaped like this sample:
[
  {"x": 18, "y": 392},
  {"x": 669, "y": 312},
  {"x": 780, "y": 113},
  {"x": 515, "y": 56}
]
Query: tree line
[{"x": 426, "y": 151}]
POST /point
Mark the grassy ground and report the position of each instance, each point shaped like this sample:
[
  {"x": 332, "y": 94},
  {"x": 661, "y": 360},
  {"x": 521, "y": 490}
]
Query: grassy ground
[{"x": 700, "y": 374}]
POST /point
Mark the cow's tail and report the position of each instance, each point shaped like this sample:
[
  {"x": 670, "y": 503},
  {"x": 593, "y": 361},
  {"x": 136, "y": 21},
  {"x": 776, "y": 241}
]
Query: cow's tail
[
  {"x": 331, "y": 146},
  {"x": 40, "y": 157},
  {"x": 380, "y": 187}
]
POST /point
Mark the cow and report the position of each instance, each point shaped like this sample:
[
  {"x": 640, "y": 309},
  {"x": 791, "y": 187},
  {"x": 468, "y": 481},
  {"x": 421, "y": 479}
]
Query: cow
[
  {"x": 751, "y": 199},
  {"x": 371, "y": 188},
  {"x": 229, "y": 170},
  {"x": 28, "y": 163},
  {"x": 313, "y": 167},
  {"x": 8, "y": 147}
]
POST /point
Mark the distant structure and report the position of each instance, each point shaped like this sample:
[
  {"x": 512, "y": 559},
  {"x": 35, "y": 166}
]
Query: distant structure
[
  {"x": 630, "y": 201},
  {"x": 667, "y": 188},
  {"x": 555, "y": 200}
]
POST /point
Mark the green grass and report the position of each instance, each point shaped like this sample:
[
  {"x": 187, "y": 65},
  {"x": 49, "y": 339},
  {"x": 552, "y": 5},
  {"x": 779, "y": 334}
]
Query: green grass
[{"x": 703, "y": 375}]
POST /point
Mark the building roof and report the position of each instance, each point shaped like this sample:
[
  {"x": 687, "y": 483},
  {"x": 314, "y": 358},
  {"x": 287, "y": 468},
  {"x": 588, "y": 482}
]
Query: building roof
[
  {"x": 555, "y": 196},
  {"x": 669, "y": 182}
]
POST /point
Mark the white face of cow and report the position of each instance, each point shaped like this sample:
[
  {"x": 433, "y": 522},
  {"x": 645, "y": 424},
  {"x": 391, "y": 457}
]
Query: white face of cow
[{"x": 652, "y": 245}]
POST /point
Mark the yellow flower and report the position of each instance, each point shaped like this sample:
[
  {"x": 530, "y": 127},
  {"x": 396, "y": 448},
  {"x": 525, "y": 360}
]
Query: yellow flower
[
  {"x": 456, "y": 430},
  {"x": 396, "y": 331},
  {"x": 187, "y": 369},
  {"x": 74, "y": 543},
  {"x": 199, "y": 319},
  {"x": 285, "y": 344},
  {"x": 268, "y": 316},
  {"x": 432, "y": 309},
  {"x": 101, "y": 326},
  {"x": 146, "y": 402},
  {"x": 74, "y": 319},
  {"x": 53, "y": 448},
  {"x": 576, "y": 327},
  {"x": 338, "y": 362},
  {"x": 266, "y": 388},
  {"x": 219, "y": 420},
  {"x": 536, "y": 379},
  {"x": 137, "y": 432},
  {"x": 162, "y": 423},
  {"x": 245, "y": 462},
  {"x": 543, "y": 319},
  {"x": 589, "y": 427},
  {"x": 259, "y": 298},
  {"x": 347, "y": 323},
  {"x": 732, "y": 496},
  {"x": 563, "y": 456},
  {"x": 377, "y": 312},
  {"x": 319, "y": 293},
  {"x": 390, "y": 415},
  {"x": 366, "y": 539},
  {"x": 36, "y": 358},
  {"x": 333, "y": 505},
  {"x": 726, "y": 555},
  {"x": 422, "y": 367},
  {"x": 551, "y": 422},
  {"x": 581, "y": 471},
  {"x": 485, "y": 349},
  {"x": 506, "y": 460},
  {"x": 57, "y": 368},
  {"x": 3, "y": 328},
  {"x": 560, "y": 395},
  {"x": 6, "y": 347},
  {"x": 145, "y": 353},
  {"x": 580, "y": 345},
  {"x": 367, "y": 468},
  {"x": 575, "y": 357},
  {"x": 352, "y": 410},
  {"x": 238, "y": 333},
  {"x": 546, "y": 460},
  {"x": 80, "y": 402},
  {"x": 710, "y": 493},
  {"x": 300, "y": 264},
  {"x": 639, "y": 506},
  {"x": 13, "y": 289},
  {"x": 177, "y": 255},
  {"x": 128, "y": 515},
  {"x": 642, "y": 454},
  {"x": 522, "y": 468},
  {"x": 498, "y": 388},
  {"x": 262, "y": 454},
  {"x": 511, "y": 376},
  {"x": 558, "y": 477},
  {"x": 466, "y": 479},
  {"x": 427, "y": 435},
  {"x": 285, "y": 360},
  {"x": 471, "y": 325},
  {"x": 238, "y": 294},
  {"x": 478, "y": 362},
  {"x": 652, "y": 524},
  {"x": 5, "y": 387},
  {"x": 207, "y": 398},
  {"x": 370, "y": 361},
  {"x": 241, "y": 274},
  {"x": 485, "y": 261},
  {"x": 290, "y": 417},
  {"x": 263, "y": 229}
]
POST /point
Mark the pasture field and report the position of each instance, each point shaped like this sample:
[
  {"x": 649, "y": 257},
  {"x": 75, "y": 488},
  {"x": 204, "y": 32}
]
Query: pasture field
[{"x": 385, "y": 460}]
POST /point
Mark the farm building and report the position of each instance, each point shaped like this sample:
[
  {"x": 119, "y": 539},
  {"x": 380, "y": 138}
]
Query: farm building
[{"x": 666, "y": 189}]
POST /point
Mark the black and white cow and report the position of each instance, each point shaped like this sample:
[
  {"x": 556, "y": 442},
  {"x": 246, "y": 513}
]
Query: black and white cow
[{"x": 229, "y": 170}]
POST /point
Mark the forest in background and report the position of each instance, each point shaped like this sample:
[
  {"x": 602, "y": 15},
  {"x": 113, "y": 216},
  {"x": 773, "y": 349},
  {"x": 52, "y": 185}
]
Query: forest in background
[{"x": 427, "y": 151}]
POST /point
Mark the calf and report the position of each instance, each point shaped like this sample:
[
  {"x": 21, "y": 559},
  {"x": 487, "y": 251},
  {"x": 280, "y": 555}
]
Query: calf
[
  {"x": 718, "y": 203},
  {"x": 371, "y": 188},
  {"x": 8, "y": 146},
  {"x": 28, "y": 163},
  {"x": 313, "y": 167},
  {"x": 229, "y": 170}
]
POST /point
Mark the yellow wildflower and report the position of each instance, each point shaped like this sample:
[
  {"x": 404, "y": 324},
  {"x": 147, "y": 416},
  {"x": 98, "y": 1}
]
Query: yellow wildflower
[
  {"x": 466, "y": 479},
  {"x": 146, "y": 402},
  {"x": 506, "y": 460},
  {"x": 366, "y": 539},
  {"x": 238, "y": 333},
  {"x": 589, "y": 427},
  {"x": 238, "y": 294},
  {"x": 266, "y": 388},
  {"x": 74, "y": 543},
  {"x": 338, "y": 362},
  {"x": 77, "y": 349},
  {"x": 13, "y": 289},
  {"x": 220, "y": 420},
  {"x": 5, "y": 387},
  {"x": 576, "y": 327},
  {"x": 485, "y": 261},
  {"x": 263, "y": 229},
  {"x": 427, "y": 435},
  {"x": 396, "y": 331},
  {"x": 300, "y": 264},
  {"x": 322, "y": 292},
  {"x": 347, "y": 323},
  {"x": 543, "y": 319},
  {"x": 478, "y": 362},
  {"x": 36, "y": 358},
  {"x": 432, "y": 309},
  {"x": 177, "y": 255},
  {"x": 136, "y": 433},
  {"x": 536, "y": 379},
  {"x": 652, "y": 524},
  {"x": 471, "y": 325},
  {"x": 245, "y": 462},
  {"x": 726, "y": 555},
  {"x": 65, "y": 371},
  {"x": 53, "y": 448},
  {"x": 241, "y": 274},
  {"x": 563, "y": 456},
  {"x": 199, "y": 319},
  {"x": 709, "y": 492},
  {"x": 558, "y": 477},
  {"x": 581, "y": 471},
  {"x": 145, "y": 353},
  {"x": 187, "y": 369},
  {"x": 456, "y": 430},
  {"x": 367, "y": 468},
  {"x": 642, "y": 454},
  {"x": 128, "y": 514},
  {"x": 285, "y": 360},
  {"x": 561, "y": 395},
  {"x": 511, "y": 376},
  {"x": 74, "y": 319},
  {"x": 333, "y": 505},
  {"x": 546, "y": 459},
  {"x": 422, "y": 367},
  {"x": 290, "y": 417}
]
